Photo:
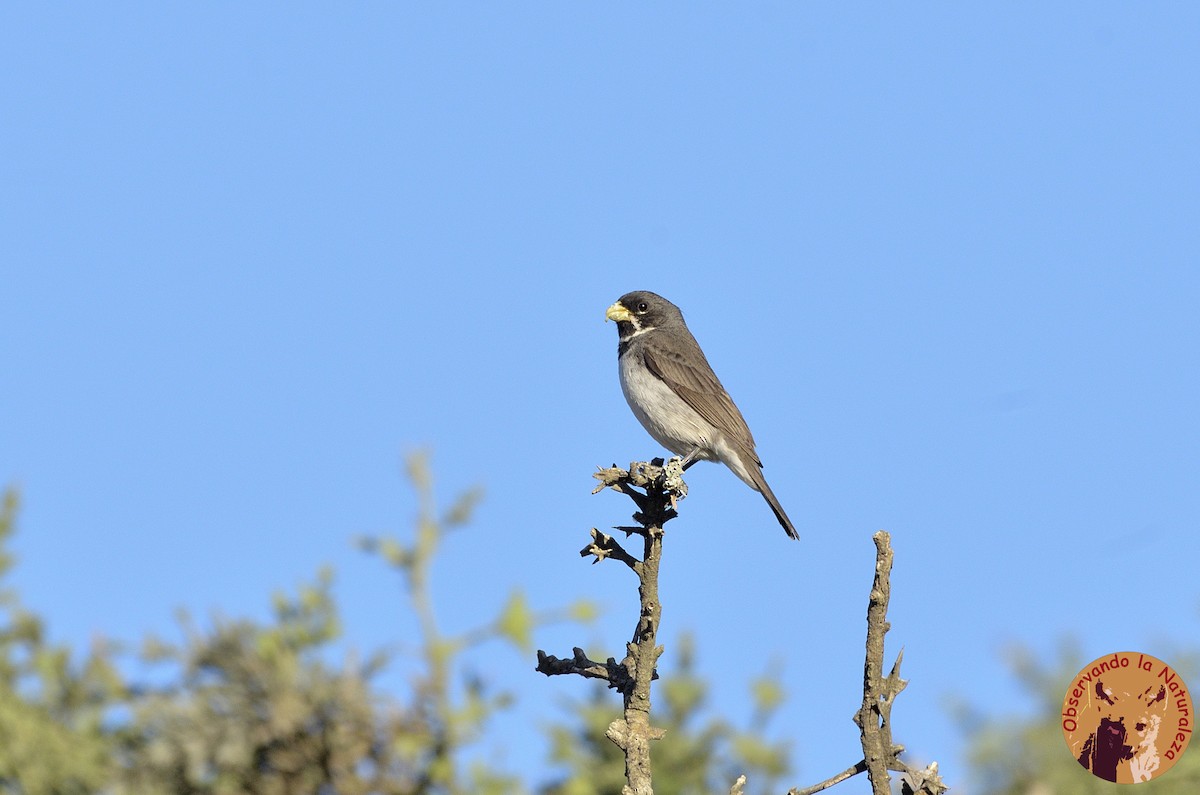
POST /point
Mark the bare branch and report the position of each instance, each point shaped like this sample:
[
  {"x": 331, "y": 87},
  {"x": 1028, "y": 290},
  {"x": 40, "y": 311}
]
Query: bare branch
[
  {"x": 605, "y": 546},
  {"x": 610, "y": 671},
  {"x": 853, "y": 770},
  {"x": 923, "y": 782},
  {"x": 655, "y": 489},
  {"x": 874, "y": 717}
]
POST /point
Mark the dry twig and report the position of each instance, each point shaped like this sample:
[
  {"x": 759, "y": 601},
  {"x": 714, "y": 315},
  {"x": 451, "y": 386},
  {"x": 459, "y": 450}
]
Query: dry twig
[
  {"x": 874, "y": 717},
  {"x": 654, "y": 488}
]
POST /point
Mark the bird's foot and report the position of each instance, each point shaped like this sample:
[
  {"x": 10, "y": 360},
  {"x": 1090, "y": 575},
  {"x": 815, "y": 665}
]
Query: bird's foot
[
  {"x": 693, "y": 456},
  {"x": 673, "y": 480}
]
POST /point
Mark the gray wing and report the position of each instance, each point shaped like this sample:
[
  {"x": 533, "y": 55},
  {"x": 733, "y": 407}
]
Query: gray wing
[{"x": 683, "y": 367}]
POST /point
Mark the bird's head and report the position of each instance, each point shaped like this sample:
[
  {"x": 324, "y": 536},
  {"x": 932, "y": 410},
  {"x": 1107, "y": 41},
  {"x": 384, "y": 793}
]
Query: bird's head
[{"x": 642, "y": 311}]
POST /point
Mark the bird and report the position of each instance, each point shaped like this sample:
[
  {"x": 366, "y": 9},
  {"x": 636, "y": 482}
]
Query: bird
[{"x": 677, "y": 397}]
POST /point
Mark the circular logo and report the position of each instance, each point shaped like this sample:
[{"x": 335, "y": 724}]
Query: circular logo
[{"x": 1127, "y": 717}]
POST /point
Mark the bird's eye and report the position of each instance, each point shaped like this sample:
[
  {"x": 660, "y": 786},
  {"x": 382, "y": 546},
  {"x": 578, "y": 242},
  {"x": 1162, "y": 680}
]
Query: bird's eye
[{"x": 642, "y": 307}]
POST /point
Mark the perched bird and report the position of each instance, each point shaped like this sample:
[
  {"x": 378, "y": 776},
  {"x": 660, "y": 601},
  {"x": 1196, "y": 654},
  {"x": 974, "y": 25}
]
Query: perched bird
[{"x": 677, "y": 397}]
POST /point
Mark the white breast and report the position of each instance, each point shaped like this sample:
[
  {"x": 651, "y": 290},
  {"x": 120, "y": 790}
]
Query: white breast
[{"x": 672, "y": 422}]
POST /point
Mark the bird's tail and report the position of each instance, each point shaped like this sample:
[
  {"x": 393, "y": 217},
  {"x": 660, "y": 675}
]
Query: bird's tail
[
  {"x": 747, "y": 466},
  {"x": 769, "y": 496}
]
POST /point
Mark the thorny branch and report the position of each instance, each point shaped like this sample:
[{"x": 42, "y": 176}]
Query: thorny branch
[
  {"x": 654, "y": 488},
  {"x": 874, "y": 718}
]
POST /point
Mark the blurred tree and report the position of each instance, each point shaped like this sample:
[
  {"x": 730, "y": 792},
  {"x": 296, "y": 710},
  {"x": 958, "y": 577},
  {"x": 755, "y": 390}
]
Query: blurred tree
[
  {"x": 262, "y": 707},
  {"x": 254, "y": 709},
  {"x": 692, "y": 758},
  {"x": 248, "y": 707},
  {"x": 257, "y": 709},
  {"x": 1029, "y": 757},
  {"x": 52, "y": 710},
  {"x": 454, "y": 716}
]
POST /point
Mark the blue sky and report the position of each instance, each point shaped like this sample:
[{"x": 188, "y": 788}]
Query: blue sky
[{"x": 944, "y": 256}]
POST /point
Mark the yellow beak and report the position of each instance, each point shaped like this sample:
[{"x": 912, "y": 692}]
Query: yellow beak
[{"x": 618, "y": 312}]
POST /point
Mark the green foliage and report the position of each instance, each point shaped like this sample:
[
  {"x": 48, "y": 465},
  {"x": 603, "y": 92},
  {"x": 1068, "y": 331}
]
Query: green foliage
[
  {"x": 253, "y": 708},
  {"x": 695, "y": 756},
  {"x": 249, "y": 707},
  {"x": 516, "y": 622},
  {"x": 454, "y": 716},
  {"x": 1020, "y": 757},
  {"x": 263, "y": 707},
  {"x": 52, "y": 736}
]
